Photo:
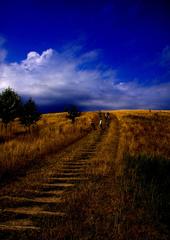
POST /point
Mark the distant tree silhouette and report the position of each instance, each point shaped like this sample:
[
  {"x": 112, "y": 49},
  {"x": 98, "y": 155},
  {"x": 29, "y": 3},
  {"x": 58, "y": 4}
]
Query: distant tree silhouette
[
  {"x": 73, "y": 113},
  {"x": 10, "y": 103},
  {"x": 29, "y": 114}
]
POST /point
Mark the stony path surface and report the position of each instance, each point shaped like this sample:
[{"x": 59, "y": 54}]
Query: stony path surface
[{"x": 36, "y": 201}]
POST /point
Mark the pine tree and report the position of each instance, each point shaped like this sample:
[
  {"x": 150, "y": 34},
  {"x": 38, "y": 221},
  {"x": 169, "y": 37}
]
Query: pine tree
[
  {"x": 73, "y": 113},
  {"x": 29, "y": 114},
  {"x": 10, "y": 103}
]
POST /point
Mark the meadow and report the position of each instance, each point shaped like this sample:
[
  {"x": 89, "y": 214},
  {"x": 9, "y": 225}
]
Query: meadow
[
  {"x": 127, "y": 194},
  {"x": 20, "y": 149}
]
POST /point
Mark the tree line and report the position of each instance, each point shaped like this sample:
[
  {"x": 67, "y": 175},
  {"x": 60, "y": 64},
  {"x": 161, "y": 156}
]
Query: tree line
[{"x": 12, "y": 107}]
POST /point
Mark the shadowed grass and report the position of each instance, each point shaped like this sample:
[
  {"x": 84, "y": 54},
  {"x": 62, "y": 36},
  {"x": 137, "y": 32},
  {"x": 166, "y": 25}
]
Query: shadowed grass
[{"x": 144, "y": 187}]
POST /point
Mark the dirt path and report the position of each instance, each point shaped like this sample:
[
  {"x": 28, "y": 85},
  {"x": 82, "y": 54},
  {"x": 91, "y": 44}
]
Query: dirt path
[
  {"x": 27, "y": 204},
  {"x": 36, "y": 201}
]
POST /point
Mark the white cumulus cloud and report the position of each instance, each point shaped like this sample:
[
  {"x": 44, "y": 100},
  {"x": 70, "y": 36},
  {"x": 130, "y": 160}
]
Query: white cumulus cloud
[{"x": 58, "y": 77}]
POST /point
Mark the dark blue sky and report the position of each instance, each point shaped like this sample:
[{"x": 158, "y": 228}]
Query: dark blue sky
[{"x": 131, "y": 38}]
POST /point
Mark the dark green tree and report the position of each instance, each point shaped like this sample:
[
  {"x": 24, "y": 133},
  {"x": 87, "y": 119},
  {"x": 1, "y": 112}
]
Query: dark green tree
[
  {"x": 10, "y": 103},
  {"x": 29, "y": 114},
  {"x": 73, "y": 113}
]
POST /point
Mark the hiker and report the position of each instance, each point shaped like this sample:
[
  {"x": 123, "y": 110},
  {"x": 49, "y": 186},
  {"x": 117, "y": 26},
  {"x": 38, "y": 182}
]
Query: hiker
[
  {"x": 107, "y": 119},
  {"x": 100, "y": 120},
  {"x": 100, "y": 124}
]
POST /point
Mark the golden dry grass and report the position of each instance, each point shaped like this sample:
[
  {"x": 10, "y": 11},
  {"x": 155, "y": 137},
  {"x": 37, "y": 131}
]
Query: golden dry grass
[
  {"x": 127, "y": 195},
  {"x": 144, "y": 180},
  {"x": 93, "y": 209},
  {"x": 146, "y": 132},
  {"x": 19, "y": 149}
]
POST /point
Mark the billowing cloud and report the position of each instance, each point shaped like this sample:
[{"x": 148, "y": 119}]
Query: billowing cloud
[{"x": 65, "y": 77}]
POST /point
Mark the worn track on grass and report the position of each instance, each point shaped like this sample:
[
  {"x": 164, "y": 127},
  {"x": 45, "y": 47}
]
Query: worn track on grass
[{"x": 36, "y": 201}]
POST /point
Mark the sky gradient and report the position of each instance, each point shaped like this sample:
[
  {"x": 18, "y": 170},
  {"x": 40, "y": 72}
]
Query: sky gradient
[{"x": 95, "y": 54}]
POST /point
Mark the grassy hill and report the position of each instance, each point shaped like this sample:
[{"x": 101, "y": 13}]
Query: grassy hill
[
  {"x": 127, "y": 166},
  {"x": 20, "y": 149}
]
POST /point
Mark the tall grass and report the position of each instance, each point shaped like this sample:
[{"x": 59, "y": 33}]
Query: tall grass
[
  {"x": 146, "y": 132},
  {"x": 54, "y": 131},
  {"x": 134, "y": 203},
  {"x": 145, "y": 198},
  {"x": 144, "y": 181},
  {"x": 127, "y": 197}
]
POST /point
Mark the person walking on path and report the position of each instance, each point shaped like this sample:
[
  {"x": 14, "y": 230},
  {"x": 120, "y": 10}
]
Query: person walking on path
[
  {"x": 107, "y": 119},
  {"x": 100, "y": 124},
  {"x": 100, "y": 120}
]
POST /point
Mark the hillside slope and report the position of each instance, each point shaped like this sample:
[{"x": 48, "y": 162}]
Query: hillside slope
[{"x": 108, "y": 184}]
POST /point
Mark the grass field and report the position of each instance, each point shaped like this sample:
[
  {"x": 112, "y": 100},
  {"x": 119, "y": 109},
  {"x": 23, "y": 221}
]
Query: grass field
[
  {"x": 145, "y": 179},
  {"x": 19, "y": 149},
  {"x": 128, "y": 196},
  {"x": 127, "y": 192}
]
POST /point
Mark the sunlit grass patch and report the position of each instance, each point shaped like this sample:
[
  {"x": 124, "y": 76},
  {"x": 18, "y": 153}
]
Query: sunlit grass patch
[
  {"x": 53, "y": 132},
  {"x": 146, "y": 132}
]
